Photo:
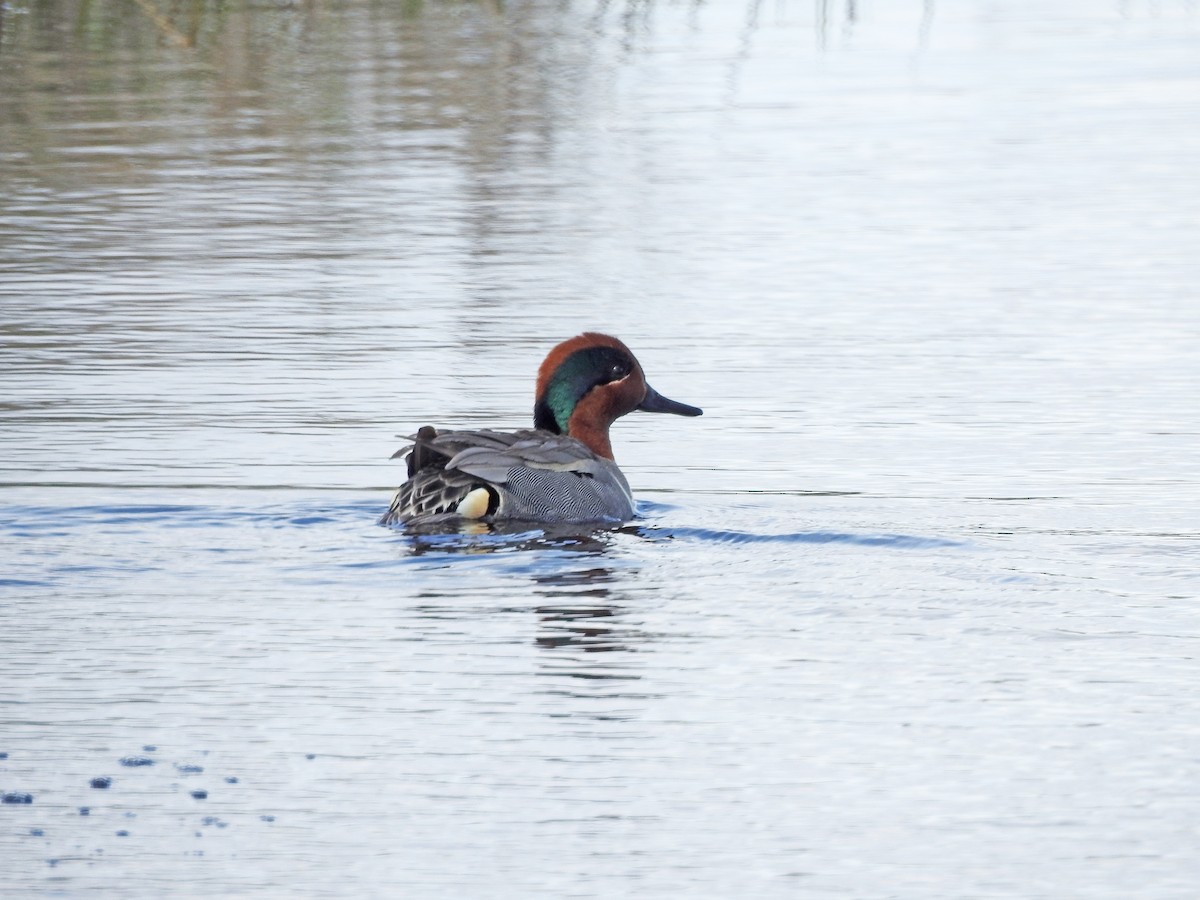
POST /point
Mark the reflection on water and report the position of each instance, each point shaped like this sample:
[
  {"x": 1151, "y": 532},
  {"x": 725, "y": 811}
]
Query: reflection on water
[
  {"x": 500, "y": 537},
  {"x": 908, "y": 610},
  {"x": 581, "y": 617},
  {"x": 580, "y": 614}
]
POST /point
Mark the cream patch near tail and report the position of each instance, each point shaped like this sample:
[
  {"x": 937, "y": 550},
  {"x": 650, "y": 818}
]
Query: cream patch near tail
[{"x": 475, "y": 504}]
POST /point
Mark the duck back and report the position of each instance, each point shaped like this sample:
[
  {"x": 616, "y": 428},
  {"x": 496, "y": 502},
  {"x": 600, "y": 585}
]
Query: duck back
[{"x": 529, "y": 474}]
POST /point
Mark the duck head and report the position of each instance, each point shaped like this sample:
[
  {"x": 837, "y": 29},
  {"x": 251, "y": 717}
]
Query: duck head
[{"x": 587, "y": 383}]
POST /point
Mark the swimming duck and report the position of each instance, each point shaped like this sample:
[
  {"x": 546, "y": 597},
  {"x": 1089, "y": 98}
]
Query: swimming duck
[{"x": 561, "y": 470}]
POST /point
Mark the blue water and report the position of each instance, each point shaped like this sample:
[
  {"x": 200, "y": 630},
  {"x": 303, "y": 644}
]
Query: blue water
[
  {"x": 516, "y": 708},
  {"x": 911, "y": 611}
]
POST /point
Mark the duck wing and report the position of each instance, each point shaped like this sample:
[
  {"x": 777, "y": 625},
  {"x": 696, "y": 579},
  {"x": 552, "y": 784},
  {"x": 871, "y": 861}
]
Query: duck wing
[{"x": 494, "y": 458}]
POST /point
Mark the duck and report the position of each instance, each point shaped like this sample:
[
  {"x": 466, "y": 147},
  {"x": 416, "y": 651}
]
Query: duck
[{"x": 562, "y": 470}]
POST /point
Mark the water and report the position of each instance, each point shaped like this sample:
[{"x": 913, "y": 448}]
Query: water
[{"x": 910, "y": 612}]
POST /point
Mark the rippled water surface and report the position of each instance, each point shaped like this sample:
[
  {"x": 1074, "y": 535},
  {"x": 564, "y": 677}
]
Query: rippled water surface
[{"x": 910, "y": 612}]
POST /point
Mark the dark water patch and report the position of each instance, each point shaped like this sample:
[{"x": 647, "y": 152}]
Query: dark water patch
[
  {"x": 23, "y": 583},
  {"x": 90, "y": 569},
  {"x": 649, "y": 509},
  {"x": 587, "y": 676},
  {"x": 189, "y": 768},
  {"x": 200, "y": 794},
  {"x": 27, "y": 521},
  {"x": 146, "y": 509},
  {"x": 101, "y": 782},
  {"x": 59, "y": 521},
  {"x": 16, "y": 797},
  {"x": 892, "y": 541},
  {"x": 134, "y": 762},
  {"x": 366, "y": 565}
]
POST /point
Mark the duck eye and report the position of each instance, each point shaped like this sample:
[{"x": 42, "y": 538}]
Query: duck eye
[{"x": 618, "y": 372}]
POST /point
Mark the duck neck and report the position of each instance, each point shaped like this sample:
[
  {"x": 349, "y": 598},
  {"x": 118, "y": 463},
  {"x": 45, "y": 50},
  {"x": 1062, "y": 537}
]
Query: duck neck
[{"x": 590, "y": 433}]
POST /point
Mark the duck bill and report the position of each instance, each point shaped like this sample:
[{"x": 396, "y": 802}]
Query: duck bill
[{"x": 656, "y": 402}]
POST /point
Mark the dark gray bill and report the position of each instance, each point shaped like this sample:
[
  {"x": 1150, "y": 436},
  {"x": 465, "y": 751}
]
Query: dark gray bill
[{"x": 656, "y": 402}]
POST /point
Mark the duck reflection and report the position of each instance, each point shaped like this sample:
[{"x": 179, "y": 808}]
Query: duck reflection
[
  {"x": 583, "y": 618},
  {"x": 589, "y": 640},
  {"x": 476, "y": 538}
]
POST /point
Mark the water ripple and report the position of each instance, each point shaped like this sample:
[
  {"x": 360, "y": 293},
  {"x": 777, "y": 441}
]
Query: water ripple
[{"x": 896, "y": 541}]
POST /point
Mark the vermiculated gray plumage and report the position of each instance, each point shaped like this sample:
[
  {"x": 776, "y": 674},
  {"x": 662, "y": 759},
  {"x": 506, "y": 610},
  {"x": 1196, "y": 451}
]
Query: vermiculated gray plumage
[{"x": 528, "y": 474}]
